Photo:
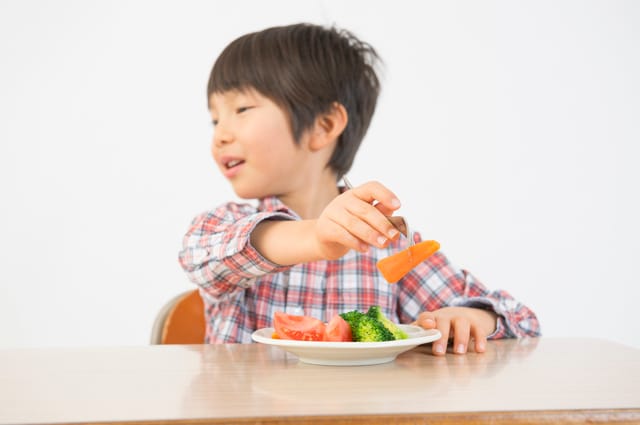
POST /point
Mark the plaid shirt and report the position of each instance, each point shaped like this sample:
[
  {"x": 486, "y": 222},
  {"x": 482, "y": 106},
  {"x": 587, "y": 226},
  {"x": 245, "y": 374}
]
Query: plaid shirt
[{"x": 241, "y": 289}]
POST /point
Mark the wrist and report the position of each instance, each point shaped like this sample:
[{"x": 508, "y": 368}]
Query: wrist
[
  {"x": 286, "y": 242},
  {"x": 489, "y": 321}
]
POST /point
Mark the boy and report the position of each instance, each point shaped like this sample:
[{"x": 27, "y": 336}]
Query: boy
[{"x": 290, "y": 106}]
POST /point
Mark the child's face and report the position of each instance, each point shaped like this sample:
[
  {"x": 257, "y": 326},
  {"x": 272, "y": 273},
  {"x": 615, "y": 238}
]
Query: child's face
[{"x": 253, "y": 144}]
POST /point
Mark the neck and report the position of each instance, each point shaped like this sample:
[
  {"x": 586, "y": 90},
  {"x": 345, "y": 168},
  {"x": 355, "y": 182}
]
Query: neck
[{"x": 312, "y": 195}]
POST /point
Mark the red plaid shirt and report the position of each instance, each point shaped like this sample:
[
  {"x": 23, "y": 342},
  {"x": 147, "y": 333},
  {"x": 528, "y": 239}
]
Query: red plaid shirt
[{"x": 241, "y": 289}]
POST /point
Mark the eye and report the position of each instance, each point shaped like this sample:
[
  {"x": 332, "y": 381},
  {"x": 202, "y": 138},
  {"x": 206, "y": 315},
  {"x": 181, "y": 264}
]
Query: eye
[
  {"x": 214, "y": 122},
  {"x": 243, "y": 109}
]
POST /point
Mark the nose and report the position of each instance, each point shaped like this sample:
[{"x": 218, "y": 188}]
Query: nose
[{"x": 222, "y": 135}]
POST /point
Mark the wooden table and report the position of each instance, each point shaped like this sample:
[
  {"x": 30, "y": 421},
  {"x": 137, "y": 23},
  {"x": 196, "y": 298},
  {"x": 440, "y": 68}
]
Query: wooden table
[{"x": 516, "y": 381}]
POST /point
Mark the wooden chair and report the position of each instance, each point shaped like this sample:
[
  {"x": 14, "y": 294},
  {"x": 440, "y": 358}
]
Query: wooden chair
[{"x": 180, "y": 321}]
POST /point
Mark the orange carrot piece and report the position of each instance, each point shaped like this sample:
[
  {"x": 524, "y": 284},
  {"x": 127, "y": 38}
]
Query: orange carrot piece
[{"x": 397, "y": 265}]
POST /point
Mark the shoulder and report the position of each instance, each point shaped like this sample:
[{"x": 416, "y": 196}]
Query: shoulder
[
  {"x": 232, "y": 212},
  {"x": 235, "y": 210},
  {"x": 225, "y": 213}
]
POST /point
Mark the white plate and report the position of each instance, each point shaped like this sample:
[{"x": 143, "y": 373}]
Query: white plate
[{"x": 349, "y": 353}]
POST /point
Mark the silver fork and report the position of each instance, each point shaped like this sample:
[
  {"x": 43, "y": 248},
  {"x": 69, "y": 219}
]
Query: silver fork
[{"x": 399, "y": 222}]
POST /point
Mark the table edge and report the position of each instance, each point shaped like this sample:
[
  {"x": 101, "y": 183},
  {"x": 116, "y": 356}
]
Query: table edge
[{"x": 580, "y": 416}]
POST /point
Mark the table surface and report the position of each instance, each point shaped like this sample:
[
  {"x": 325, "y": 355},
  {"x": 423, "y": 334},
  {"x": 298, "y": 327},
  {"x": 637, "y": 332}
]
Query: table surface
[{"x": 515, "y": 381}]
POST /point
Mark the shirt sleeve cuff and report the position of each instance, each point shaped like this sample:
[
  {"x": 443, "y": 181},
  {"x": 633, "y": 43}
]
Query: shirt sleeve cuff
[
  {"x": 256, "y": 263},
  {"x": 490, "y": 305}
]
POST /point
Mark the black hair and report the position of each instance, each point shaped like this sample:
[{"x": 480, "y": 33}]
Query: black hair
[{"x": 305, "y": 69}]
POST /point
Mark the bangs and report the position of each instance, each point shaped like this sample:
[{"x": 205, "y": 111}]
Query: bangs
[
  {"x": 228, "y": 72},
  {"x": 277, "y": 64},
  {"x": 249, "y": 62}
]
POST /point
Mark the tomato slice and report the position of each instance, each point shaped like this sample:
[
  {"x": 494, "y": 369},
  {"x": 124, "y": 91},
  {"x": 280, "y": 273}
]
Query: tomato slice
[
  {"x": 301, "y": 328},
  {"x": 338, "y": 330}
]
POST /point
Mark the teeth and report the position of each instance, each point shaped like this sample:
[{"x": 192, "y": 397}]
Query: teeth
[{"x": 233, "y": 163}]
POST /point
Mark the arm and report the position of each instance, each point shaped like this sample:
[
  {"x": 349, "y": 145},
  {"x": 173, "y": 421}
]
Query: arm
[
  {"x": 350, "y": 221},
  {"x": 217, "y": 254},
  {"x": 226, "y": 249},
  {"x": 513, "y": 319},
  {"x": 438, "y": 295}
]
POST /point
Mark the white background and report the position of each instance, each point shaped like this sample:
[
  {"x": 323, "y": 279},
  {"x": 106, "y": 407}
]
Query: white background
[{"x": 509, "y": 130}]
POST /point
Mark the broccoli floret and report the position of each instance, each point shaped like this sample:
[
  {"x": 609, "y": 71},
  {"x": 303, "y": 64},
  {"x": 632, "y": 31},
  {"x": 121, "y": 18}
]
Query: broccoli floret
[
  {"x": 368, "y": 329},
  {"x": 372, "y": 326},
  {"x": 352, "y": 317},
  {"x": 375, "y": 313}
]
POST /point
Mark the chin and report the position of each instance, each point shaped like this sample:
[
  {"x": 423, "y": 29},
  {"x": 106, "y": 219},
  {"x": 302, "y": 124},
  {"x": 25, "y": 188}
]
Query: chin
[{"x": 249, "y": 193}]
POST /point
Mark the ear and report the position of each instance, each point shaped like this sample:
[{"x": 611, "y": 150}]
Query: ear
[{"x": 329, "y": 126}]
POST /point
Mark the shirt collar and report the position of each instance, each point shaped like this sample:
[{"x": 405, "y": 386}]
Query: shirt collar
[{"x": 273, "y": 204}]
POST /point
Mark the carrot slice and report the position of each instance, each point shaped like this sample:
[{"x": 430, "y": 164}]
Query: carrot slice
[{"x": 397, "y": 265}]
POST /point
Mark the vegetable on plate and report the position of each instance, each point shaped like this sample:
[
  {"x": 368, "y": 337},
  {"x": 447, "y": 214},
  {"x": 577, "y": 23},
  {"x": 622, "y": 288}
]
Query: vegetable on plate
[
  {"x": 301, "y": 328},
  {"x": 352, "y": 326}
]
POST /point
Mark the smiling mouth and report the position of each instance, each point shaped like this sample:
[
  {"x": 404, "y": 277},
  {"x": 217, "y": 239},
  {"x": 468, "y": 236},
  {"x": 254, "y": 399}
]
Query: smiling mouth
[{"x": 233, "y": 163}]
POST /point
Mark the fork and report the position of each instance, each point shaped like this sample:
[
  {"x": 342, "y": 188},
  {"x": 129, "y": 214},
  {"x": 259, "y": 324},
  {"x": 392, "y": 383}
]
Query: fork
[{"x": 399, "y": 222}]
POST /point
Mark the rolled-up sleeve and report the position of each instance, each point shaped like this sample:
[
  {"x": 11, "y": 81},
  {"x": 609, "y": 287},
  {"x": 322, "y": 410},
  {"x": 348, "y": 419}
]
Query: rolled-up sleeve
[
  {"x": 515, "y": 320},
  {"x": 217, "y": 253},
  {"x": 436, "y": 284}
]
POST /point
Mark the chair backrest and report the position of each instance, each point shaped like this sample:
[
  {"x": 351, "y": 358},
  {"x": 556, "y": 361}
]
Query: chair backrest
[{"x": 180, "y": 321}]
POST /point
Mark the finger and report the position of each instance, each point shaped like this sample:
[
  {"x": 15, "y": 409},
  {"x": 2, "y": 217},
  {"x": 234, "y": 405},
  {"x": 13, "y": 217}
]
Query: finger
[
  {"x": 383, "y": 209},
  {"x": 376, "y": 203},
  {"x": 338, "y": 234},
  {"x": 426, "y": 320},
  {"x": 461, "y": 332},
  {"x": 377, "y": 221},
  {"x": 361, "y": 230},
  {"x": 373, "y": 191},
  {"x": 440, "y": 346},
  {"x": 341, "y": 216},
  {"x": 480, "y": 339},
  {"x": 396, "y": 222}
]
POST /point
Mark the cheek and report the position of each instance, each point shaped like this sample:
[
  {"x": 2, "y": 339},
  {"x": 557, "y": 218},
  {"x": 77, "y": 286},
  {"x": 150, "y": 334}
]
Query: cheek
[{"x": 275, "y": 128}]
